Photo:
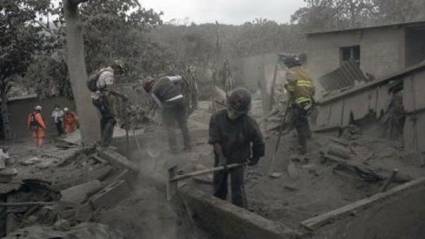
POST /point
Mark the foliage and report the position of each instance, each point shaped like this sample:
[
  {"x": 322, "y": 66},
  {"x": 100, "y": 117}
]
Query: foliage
[
  {"x": 116, "y": 29},
  {"x": 21, "y": 37},
  {"x": 321, "y": 15}
]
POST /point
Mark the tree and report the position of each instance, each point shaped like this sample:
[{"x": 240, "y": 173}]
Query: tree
[
  {"x": 21, "y": 37},
  {"x": 335, "y": 14}
]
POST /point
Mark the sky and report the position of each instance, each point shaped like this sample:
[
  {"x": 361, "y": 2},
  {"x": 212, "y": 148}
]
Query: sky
[{"x": 224, "y": 11}]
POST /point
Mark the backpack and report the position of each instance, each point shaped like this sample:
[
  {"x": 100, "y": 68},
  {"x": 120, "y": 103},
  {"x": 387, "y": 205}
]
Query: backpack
[
  {"x": 92, "y": 81},
  {"x": 33, "y": 122}
]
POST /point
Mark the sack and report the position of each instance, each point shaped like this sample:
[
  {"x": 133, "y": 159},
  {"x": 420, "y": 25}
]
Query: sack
[{"x": 92, "y": 81}]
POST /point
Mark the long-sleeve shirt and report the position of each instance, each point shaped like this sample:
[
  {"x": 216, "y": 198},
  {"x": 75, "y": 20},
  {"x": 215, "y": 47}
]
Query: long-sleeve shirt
[
  {"x": 57, "y": 116},
  {"x": 238, "y": 138}
]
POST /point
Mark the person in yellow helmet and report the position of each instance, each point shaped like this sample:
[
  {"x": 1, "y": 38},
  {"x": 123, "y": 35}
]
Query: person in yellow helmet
[{"x": 301, "y": 92}]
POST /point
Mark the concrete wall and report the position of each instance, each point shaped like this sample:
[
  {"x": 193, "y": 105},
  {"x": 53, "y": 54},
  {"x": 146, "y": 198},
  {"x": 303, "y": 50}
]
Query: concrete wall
[
  {"x": 19, "y": 110},
  {"x": 223, "y": 220},
  {"x": 396, "y": 214},
  {"x": 381, "y": 51}
]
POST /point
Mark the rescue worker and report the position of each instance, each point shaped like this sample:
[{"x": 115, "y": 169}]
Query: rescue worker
[
  {"x": 167, "y": 93},
  {"x": 37, "y": 125},
  {"x": 301, "y": 99},
  {"x": 106, "y": 98},
  {"x": 70, "y": 121},
  {"x": 57, "y": 115},
  {"x": 236, "y": 138}
]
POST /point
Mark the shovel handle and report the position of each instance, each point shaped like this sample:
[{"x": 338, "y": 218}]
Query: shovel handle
[{"x": 206, "y": 171}]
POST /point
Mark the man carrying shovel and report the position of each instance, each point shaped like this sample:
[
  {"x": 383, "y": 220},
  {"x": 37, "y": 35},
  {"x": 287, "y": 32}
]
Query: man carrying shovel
[{"x": 236, "y": 139}]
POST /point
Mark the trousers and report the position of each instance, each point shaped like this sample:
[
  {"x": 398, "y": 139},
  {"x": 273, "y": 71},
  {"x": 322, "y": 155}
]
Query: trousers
[
  {"x": 107, "y": 125},
  {"x": 237, "y": 185}
]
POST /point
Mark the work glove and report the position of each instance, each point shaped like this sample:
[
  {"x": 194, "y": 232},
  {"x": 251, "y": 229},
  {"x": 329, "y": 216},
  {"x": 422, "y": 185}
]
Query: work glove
[{"x": 253, "y": 161}]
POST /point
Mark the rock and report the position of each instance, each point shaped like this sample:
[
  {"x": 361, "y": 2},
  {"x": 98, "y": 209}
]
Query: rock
[
  {"x": 290, "y": 188},
  {"x": 292, "y": 170},
  {"x": 78, "y": 194},
  {"x": 276, "y": 175},
  {"x": 31, "y": 161},
  {"x": 8, "y": 172},
  {"x": 339, "y": 151}
]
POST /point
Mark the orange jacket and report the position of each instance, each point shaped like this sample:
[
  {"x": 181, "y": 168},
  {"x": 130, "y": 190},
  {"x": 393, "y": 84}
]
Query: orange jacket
[
  {"x": 38, "y": 119},
  {"x": 70, "y": 122},
  {"x": 38, "y": 132}
]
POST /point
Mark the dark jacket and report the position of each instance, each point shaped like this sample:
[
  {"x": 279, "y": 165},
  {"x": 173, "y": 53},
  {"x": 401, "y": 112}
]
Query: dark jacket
[
  {"x": 236, "y": 137},
  {"x": 165, "y": 89}
]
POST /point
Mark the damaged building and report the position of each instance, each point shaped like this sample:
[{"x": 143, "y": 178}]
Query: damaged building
[{"x": 374, "y": 72}]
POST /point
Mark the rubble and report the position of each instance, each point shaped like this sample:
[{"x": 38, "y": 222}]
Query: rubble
[
  {"x": 78, "y": 194},
  {"x": 82, "y": 231}
]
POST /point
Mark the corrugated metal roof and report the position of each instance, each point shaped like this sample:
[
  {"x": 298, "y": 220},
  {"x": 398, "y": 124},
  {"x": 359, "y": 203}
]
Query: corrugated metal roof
[
  {"x": 384, "y": 80},
  {"x": 347, "y": 75}
]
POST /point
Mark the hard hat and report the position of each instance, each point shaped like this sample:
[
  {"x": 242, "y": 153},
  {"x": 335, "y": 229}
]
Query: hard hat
[
  {"x": 38, "y": 107},
  {"x": 239, "y": 100},
  {"x": 118, "y": 65},
  {"x": 291, "y": 61},
  {"x": 66, "y": 109}
]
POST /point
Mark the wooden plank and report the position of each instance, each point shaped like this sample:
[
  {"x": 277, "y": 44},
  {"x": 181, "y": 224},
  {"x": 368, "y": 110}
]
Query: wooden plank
[{"x": 326, "y": 218}]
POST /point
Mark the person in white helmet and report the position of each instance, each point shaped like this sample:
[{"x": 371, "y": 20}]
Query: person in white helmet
[
  {"x": 70, "y": 121},
  {"x": 57, "y": 116},
  {"x": 37, "y": 125}
]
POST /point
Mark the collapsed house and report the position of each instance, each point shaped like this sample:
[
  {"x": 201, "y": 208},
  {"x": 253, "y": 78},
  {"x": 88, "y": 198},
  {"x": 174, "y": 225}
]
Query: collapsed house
[{"x": 391, "y": 60}]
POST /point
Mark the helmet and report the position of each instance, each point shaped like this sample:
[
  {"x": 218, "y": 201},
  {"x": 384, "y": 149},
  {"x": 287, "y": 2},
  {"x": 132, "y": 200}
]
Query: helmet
[
  {"x": 291, "y": 60},
  {"x": 118, "y": 64},
  {"x": 239, "y": 100},
  {"x": 66, "y": 109},
  {"x": 148, "y": 84},
  {"x": 38, "y": 107}
]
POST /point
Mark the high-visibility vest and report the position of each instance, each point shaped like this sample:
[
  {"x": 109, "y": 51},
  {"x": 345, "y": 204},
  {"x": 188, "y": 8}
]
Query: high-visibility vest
[{"x": 300, "y": 85}]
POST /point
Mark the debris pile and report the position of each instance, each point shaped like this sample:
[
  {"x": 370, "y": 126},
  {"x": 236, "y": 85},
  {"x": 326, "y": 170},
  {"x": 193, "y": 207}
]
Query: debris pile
[{"x": 56, "y": 197}]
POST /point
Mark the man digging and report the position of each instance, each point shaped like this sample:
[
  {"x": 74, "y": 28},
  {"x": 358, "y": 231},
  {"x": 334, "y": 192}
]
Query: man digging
[{"x": 236, "y": 138}]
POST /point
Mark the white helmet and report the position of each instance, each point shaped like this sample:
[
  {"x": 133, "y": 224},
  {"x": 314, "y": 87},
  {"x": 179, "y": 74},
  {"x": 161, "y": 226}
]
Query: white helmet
[
  {"x": 66, "y": 109},
  {"x": 38, "y": 107}
]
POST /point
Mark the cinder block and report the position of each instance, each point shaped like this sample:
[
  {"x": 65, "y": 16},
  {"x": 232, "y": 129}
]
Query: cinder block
[{"x": 110, "y": 195}]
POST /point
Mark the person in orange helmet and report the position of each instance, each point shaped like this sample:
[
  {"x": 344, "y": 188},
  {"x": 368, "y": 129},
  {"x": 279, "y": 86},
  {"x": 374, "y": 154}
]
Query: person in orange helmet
[
  {"x": 70, "y": 121},
  {"x": 37, "y": 125}
]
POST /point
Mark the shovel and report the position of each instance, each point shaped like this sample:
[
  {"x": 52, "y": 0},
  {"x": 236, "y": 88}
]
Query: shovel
[{"x": 173, "y": 179}]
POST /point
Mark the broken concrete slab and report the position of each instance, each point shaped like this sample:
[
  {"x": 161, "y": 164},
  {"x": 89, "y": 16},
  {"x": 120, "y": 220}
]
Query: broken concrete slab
[
  {"x": 110, "y": 195},
  {"x": 118, "y": 160},
  {"x": 225, "y": 220},
  {"x": 78, "y": 194}
]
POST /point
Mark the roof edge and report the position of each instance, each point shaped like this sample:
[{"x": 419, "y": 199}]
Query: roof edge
[{"x": 366, "y": 28}]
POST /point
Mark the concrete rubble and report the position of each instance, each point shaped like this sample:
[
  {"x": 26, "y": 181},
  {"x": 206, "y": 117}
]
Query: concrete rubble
[{"x": 59, "y": 200}]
